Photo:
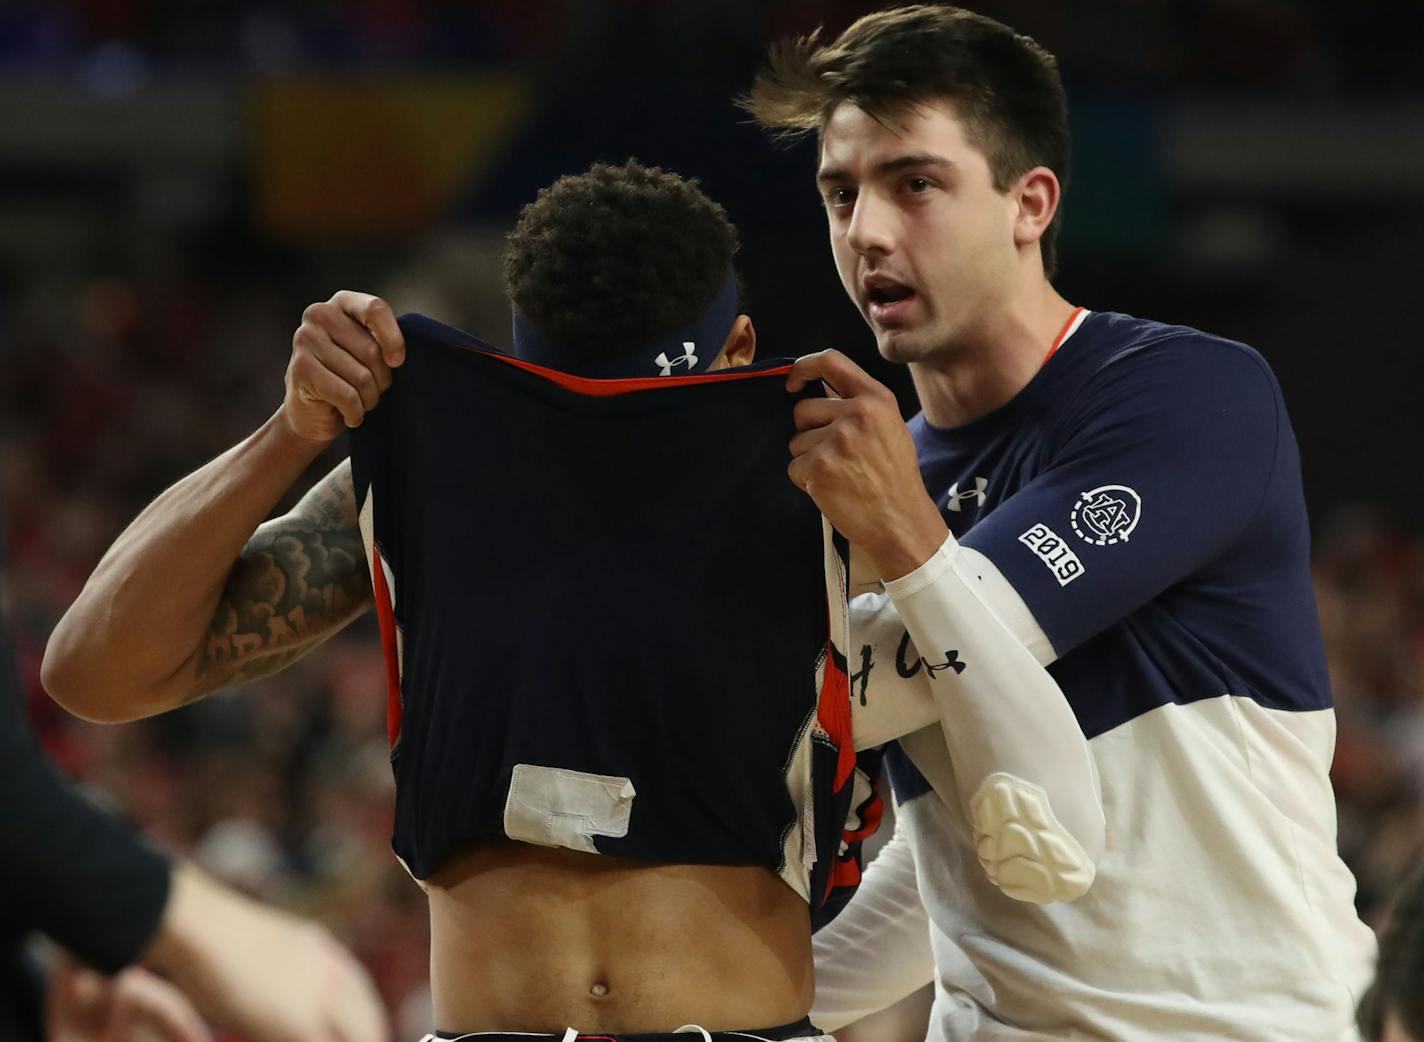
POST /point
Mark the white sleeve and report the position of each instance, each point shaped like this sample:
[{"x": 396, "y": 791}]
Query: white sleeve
[
  {"x": 877, "y": 950},
  {"x": 1021, "y": 762},
  {"x": 885, "y": 703},
  {"x": 888, "y": 699},
  {"x": 998, "y": 595}
]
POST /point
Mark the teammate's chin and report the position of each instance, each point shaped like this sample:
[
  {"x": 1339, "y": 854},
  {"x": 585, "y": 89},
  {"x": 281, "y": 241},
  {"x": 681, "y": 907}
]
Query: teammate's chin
[{"x": 902, "y": 337}]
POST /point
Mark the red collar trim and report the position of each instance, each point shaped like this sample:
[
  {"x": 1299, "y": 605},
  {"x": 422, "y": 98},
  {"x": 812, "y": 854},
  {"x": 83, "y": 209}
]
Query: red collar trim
[{"x": 1063, "y": 334}]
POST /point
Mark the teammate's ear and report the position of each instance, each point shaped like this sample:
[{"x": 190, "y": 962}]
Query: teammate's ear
[
  {"x": 1038, "y": 193},
  {"x": 740, "y": 345}
]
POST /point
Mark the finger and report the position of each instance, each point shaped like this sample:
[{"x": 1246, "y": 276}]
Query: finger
[
  {"x": 174, "y": 1016},
  {"x": 350, "y": 370},
  {"x": 379, "y": 319},
  {"x": 799, "y": 471},
  {"x": 818, "y": 412},
  {"x": 148, "y": 1007},
  {"x": 79, "y": 1000},
  {"x": 804, "y": 370},
  {"x": 808, "y": 440},
  {"x": 322, "y": 385},
  {"x": 833, "y": 368},
  {"x": 356, "y": 340},
  {"x": 176, "y": 1019},
  {"x": 78, "y": 987},
  {"x": 361, "y": 1016}
]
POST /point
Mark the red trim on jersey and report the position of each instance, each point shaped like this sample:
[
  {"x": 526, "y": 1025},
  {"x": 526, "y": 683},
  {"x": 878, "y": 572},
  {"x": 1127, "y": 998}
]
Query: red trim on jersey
[
  {"x": 593, "y": 388},
  {"x": 869, "y": 821},
  {"x": 844, "y": 873},
  {"x": 1062, "y": 334},
  {"x": 386, "y": 615},
  {"x": 833, "y": 711}
]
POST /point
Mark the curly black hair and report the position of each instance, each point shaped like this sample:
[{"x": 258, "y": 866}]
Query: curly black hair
[{"x": 613, "y": 257}]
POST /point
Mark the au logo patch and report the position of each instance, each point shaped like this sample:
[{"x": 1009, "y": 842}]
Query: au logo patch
[{"x": 1106, "y": 515}]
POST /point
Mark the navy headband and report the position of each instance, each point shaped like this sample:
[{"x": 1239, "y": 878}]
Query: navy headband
[{"x": 688, "y": 349}]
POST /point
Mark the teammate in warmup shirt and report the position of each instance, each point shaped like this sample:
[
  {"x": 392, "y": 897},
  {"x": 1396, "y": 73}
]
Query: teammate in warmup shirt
[
  {"x": 1124, "y": 497},
  {"x": 531, "y": 930},
  {"x": 77, "y": 874}
]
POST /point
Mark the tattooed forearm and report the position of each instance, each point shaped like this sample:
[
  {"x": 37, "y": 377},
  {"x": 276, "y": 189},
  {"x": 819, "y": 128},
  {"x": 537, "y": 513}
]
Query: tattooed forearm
[{"x": 299, "y": 580}]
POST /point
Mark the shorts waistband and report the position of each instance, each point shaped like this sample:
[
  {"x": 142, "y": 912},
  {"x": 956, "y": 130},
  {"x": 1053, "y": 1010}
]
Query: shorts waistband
[{"x": 801, "y": 1029}]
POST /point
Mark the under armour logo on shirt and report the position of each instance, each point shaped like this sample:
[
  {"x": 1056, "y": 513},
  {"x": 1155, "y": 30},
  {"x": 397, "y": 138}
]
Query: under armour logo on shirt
[
  {"x": 666, "y": 364},
  {"x": 908, "y": 667},
  {"x": 951, "y": 661},
  {"x": 977, "y": 494}
]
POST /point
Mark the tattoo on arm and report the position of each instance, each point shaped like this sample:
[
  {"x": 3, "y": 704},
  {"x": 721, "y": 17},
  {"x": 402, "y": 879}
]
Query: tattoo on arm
[{"x": 300, "y": 579}]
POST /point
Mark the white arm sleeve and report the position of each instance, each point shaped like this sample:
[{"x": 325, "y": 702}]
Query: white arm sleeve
[
  {"x": 884, "y": 703},
  {"x": 877, "y": 950},
  {"x": 1020, "y": 759},
  {"x": 988, "y": 583}
]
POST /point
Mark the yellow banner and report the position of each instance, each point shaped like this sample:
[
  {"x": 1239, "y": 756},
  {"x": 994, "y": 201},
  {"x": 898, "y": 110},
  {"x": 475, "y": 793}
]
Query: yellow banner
[{"x": 343, "y": 158}]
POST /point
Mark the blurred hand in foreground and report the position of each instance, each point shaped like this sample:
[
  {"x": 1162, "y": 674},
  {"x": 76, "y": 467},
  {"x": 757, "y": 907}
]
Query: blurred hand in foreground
[
  {"x": 83, "y": 1005},
  {"x": 263, "y": 974}
]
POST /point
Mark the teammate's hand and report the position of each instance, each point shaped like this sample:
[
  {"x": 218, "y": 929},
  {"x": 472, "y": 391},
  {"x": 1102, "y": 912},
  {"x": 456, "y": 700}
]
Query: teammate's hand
[
  {"x": 134, "y": 1006},
  {"x": 854, "y": 456},
  {"x": 286, "y": 980},
  {"x": 262, "y": 974},
  {"x": 342, "y": 357}
]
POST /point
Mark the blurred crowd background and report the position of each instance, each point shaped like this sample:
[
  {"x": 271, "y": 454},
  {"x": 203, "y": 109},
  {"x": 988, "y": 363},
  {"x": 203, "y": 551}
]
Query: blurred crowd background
[{"x": 177, "y": 181}]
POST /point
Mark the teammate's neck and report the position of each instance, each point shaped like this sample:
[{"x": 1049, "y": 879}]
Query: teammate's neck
[{"x": 1002, "y": 356}]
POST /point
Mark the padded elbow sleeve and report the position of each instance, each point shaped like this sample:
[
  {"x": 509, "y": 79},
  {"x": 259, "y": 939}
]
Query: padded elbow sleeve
[{"x": 1020, "y": 759}]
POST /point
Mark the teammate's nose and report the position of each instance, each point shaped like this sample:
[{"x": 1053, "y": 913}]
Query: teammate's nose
[{"x": 871, "y": 228}]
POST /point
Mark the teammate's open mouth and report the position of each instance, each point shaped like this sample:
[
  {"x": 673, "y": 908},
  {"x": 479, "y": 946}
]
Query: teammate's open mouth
[{"x": 888, "y": 300}]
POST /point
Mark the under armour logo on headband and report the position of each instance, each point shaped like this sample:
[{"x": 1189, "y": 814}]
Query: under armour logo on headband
[
  {"x": 689, "y": 359},
  {"x": 671, "y": 351}
]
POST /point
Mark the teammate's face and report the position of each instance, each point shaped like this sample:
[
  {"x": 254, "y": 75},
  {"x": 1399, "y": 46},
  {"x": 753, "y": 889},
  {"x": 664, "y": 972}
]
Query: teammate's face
[{"x": 923, "y": 242}]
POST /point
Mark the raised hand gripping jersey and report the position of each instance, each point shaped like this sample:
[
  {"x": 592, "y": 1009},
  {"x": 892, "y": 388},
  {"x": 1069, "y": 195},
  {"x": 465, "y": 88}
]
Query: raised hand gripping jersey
[{"x": 611, "y": 622}]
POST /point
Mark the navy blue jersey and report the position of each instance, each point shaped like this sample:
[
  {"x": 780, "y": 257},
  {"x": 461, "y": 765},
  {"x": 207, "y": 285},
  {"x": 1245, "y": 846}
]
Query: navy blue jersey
[
  {"x": 1142, "y": 494},
  {"x": 612, "y": 622}
]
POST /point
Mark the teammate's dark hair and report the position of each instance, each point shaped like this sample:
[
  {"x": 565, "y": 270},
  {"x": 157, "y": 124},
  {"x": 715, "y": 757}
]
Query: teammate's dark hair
[
  {"x": 1397, "y": 989},
  {"x": 610, "y": 258},
  {"x": 1004, "y": 86}
]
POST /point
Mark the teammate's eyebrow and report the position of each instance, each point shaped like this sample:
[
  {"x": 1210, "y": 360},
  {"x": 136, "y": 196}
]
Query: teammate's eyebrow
[
  {"x": 913, "y": 161},
  {"x": 909, "y": 161}
]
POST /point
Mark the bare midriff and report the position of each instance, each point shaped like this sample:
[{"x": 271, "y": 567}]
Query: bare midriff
[{"x": 527, "y": 938}]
